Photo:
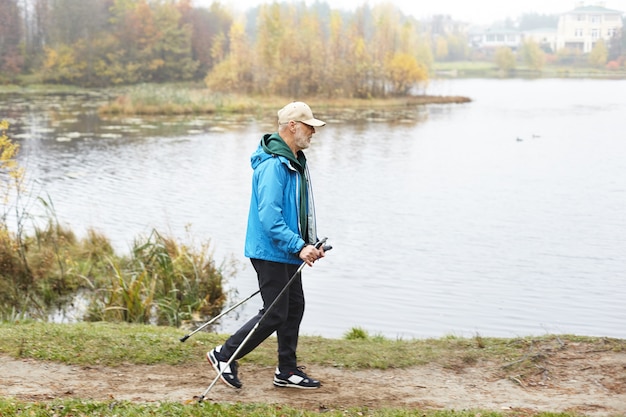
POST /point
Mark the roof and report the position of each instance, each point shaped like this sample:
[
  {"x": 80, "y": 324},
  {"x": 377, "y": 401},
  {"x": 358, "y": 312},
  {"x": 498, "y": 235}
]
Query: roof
[{"x": 594, "y": 9}]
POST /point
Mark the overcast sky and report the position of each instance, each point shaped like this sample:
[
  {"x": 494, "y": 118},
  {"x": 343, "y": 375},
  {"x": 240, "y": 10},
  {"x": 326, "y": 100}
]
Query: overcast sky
[{"x": 478, "y": 11}]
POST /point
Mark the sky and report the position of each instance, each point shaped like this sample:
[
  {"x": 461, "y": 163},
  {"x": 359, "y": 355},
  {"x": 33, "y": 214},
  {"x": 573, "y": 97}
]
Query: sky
[{"x": 477, "y": 11}]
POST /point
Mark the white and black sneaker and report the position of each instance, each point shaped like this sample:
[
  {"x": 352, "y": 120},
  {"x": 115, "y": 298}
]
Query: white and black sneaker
[
  {"x": 228, "y": 372},
  {"x": 295, "y": 378}
]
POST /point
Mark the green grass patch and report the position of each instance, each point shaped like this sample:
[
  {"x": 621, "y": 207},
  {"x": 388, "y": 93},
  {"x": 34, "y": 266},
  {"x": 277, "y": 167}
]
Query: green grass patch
[
  {"x": 116, "y": 344},
  {"x": 77, "y": 408}
]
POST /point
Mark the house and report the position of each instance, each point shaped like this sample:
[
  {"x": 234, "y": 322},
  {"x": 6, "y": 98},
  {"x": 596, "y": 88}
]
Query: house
[
  {"x": 495, "y": 37},
  {"x": 578, "y": 29},
  {"x": 581, "y": 28}
]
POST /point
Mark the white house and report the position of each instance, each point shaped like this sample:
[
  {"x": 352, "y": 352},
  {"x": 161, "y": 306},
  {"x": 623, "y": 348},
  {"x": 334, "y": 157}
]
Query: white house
[
  {"x": 577, "y": 29},
  {"x": 495, "y": 37},
  {"x": 581, "y": 28}
]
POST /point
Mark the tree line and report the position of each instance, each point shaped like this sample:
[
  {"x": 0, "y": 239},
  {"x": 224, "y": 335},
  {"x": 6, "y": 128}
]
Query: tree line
[{"x": 285, "y": 48}]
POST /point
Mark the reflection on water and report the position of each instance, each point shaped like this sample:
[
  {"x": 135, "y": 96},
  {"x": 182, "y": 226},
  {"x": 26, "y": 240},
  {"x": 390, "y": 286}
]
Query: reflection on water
[{"x": 503, "y": 217}]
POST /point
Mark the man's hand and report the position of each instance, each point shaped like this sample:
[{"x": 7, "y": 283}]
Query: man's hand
[{"x": 310, "y": 254}]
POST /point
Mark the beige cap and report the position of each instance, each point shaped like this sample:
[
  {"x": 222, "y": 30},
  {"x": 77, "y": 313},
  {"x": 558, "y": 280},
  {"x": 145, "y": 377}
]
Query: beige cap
[{"x": 298, "y": 112}]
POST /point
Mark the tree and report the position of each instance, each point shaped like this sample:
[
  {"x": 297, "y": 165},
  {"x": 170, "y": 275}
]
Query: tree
[
  {"x": 384, "y": 42},
  {"x": 533, "y": 56},
  {"x": 234, "y": 72},
  {"x": 441, "y": 48},
  {"x": 405, "y": 72},
  {"x": 11, "y": 58},
  {"x": 171, "y": 49},
  {"x": 338, "y": 62},
  {"x": 457, "y": 46},
  {"x": 208, "y": 28},
  {"x": 269, "y": 35},
  {"x": 142, "y": 42},
  {"x": 504, "y": 58},
  {"x": 599, "y": 54}
]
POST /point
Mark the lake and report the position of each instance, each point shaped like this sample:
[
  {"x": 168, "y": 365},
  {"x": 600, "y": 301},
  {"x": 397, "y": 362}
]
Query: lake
[{"x": 501, "y": 217}]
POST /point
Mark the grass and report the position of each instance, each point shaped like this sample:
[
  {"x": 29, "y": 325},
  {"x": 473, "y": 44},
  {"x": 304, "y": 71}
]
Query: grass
[
  {"x": 116, "y": 408},
  {"x": 192, "y": 99},
  {"x": 488, "y": 69},
  {"x": 126, "y": 344},
  {"x": 115, "y": 344}
]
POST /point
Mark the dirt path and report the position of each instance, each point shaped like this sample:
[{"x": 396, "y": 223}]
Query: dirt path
[{"x": 589, "y": 382}]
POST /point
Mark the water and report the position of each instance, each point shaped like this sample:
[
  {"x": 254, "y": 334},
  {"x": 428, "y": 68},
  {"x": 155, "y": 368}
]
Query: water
[{"x": 501, "y": 217}]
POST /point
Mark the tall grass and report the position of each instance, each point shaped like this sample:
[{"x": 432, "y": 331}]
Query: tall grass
[
  {"x": 172, "y": 99},
  {"x": 161, "y": 282}
]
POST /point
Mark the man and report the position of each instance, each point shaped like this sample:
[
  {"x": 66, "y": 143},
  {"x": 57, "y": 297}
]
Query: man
[{"x": 281, "y": 234}]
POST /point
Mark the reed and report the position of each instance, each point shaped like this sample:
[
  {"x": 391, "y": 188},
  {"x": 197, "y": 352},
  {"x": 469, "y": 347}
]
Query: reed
[
  {"x": 163, "y": 282},
  {"x": 169, "y": 99}
]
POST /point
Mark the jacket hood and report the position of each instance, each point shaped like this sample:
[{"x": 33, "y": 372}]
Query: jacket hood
[
  {"x": 273, "y": 144},
  {"x": 259, "y": 156}
]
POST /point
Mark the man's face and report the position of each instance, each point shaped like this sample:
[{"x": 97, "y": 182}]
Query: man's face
[{"x": 303, "y": 135}]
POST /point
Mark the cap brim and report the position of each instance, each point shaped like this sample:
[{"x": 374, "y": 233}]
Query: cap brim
[{"x": 313, "y": 122}]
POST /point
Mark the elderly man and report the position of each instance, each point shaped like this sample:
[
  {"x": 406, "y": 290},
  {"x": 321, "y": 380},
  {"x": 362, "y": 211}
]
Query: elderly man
[{"x": 281, "y": 234}]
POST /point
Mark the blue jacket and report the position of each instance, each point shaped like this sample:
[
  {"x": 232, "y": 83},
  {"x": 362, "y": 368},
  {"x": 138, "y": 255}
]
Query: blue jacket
[{"x": 273, "y": 232}]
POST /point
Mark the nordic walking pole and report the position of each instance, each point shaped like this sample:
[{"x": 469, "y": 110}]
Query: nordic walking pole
[
  {"x": 187, "y": 336},
  {"x": 249, "y": 335}
]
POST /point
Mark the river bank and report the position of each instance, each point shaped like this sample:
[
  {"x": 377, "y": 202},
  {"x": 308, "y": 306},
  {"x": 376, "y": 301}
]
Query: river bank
[{"x": 124, "y": 369}]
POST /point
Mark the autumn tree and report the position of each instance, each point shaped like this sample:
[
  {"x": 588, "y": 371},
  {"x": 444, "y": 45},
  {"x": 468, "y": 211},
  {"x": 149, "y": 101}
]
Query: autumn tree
[
  {"x": 441, "y": 48},
  {"x": 209, "y": 34},
  {"x": 299, "y": 72},
  {"x": 11, "y": 58},
  {"x": 372, "y": 52},
  {"x": 359, "y": 56},
  {"x": 142, "y": 42},
  {"x": 171, "y": 50},
  {"x": 405, "y": 72},
  {"x": 457, "y": 46},
  {"x": 504, "y": 58},
  {"x": 384, "y": 42},
  {"x": 269, "y": 37},
  {"x": 599, "y": 54},
  {"x": 337, "y": 61},
  {"x": 533, "y": 56},
  {"x": 71, "y": 21},
  {"x": 36, "y": 35},
  {"x": 234, "y": 73}
]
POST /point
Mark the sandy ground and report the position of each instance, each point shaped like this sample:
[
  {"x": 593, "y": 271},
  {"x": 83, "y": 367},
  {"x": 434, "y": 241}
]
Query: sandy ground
[{"x": 591, "y": 382}]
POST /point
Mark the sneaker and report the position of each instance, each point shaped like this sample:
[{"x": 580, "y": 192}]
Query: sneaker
[
  {"x": 228, "y": 373},
  {"x": 295, "y": 378}
]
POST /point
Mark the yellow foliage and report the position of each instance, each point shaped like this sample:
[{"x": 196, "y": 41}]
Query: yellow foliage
[
  {"x": 504, "y": 58},
  {"x": 441, "y": 46},
  {"x": 599, "y": 54},
  {"x": 8, "y": 162},
  {"x": 405, "y": 71}
]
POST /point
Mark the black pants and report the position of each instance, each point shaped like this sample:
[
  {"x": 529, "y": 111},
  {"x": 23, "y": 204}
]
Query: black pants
[{"x": 284, "y": 318}]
